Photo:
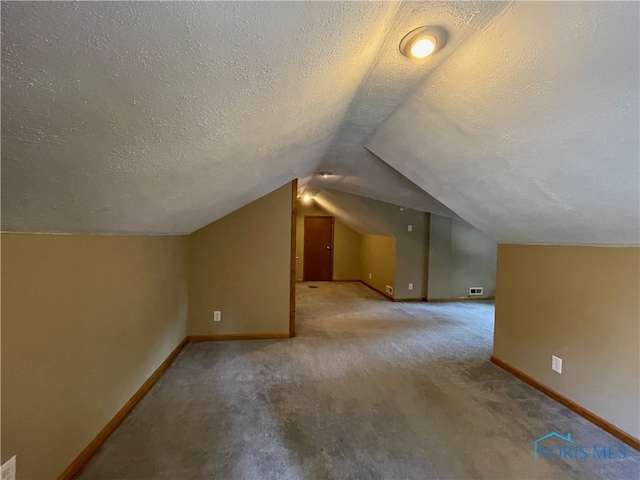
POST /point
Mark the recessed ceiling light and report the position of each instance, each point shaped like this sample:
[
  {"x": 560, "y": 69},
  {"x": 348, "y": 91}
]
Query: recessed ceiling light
[
  {"x": 306, "y": 199},
  {"x": 325, "y": 174},
  {"x": 422, "y": 42},
  {"x": 423, "y": 47}
]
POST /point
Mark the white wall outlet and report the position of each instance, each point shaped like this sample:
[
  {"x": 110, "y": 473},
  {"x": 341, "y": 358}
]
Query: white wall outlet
[
  {"x": 8, "y": 471},
  {"x": 389, "y": 289},
  {"x": 475, "y": 291},
  {"x": 556, "y": 364},
  {"x": 369, "y": 276},
  {"x": 216, "y": 316},
  {"x": 409, "y": 228},
  {"x": 411, "y": 286}
]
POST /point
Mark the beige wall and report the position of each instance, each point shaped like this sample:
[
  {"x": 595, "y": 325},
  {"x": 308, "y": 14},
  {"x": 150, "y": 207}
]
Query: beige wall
[
  {"x": 372, "y": 217},
  {"x": 85, "y": 322},
  {"x": 240, "y": 265},
  {"x": 581, "y": 304},
  {"x": 411, "y": 254},
  {"x": 379, "y": 261},
  {"x": 346, "y": 245},
  {"x": 460, "y": 257}
]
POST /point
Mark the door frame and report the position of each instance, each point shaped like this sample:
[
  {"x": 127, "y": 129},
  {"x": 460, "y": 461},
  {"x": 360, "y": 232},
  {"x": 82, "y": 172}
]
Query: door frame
[
  {"x": 304, "y": 246},
  {"x": 292, "y": 266}
]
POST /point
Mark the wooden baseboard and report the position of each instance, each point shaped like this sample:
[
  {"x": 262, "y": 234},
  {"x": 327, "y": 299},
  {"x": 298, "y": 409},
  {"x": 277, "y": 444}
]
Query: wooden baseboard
[
  {"x": 74, "y": 468},
  {"x": 384, "y": 294},
  {"x": 324, "y": 281},
  {"x": 570, "y": 404},
  {"x": 236, "y": 336},
  {"x": 458, "y": 299},
  {"x": 80, "y": 461}
]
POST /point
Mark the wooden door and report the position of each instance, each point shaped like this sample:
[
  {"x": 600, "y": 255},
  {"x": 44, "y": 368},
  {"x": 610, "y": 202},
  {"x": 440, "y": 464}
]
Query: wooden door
[{"x": 318, "y": 248}]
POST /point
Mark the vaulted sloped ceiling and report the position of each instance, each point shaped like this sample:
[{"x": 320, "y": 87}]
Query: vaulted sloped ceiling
[
  {"x": 153, "y": 117},
  {"x": 377, "y": 181},
  {"x": 367, "y": 216},
  {"x": 161, "y": 117},
  {"x": 390, "y": 79},
  {"x": 530, "y": 131}
]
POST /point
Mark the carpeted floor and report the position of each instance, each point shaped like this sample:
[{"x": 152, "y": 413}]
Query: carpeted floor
[{"x": 368, "y": 389}]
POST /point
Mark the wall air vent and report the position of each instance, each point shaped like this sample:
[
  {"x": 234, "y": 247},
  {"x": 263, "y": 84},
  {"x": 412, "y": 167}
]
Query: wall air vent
[{"x": 475, "y": 291}]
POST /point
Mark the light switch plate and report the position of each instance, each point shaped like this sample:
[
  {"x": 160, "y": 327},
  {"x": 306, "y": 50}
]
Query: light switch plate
[
  {"x": 410, "y": 228},
  {"x": 216, "y": 316},
  {"x": 411, "y": 286}
]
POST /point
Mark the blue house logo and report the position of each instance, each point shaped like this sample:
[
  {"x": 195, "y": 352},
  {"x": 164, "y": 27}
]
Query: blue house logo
[
  {"x": 566, "y": 448},
  {"x": 549, "y": 435}
]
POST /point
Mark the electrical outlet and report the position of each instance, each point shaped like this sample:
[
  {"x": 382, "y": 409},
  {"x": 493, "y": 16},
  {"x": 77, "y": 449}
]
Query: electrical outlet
[
  {"x": 8, "y": 470},
  {"x": 409, "y": 228},
  {"x": 556, "y": 364},
  {"x": 369, "y": 276},
  {"x": 389, "y": 289},
  {"x": 216, "y": 316},
  {"x": 411, "y": 286}
]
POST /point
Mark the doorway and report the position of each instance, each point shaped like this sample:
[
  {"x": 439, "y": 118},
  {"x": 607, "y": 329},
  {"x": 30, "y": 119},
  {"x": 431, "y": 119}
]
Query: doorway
[{"x": 318, "y": 248}]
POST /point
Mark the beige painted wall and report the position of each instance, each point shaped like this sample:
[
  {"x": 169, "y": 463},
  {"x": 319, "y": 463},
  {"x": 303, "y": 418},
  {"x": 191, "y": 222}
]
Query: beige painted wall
[
  {"x": 346, "y": 245},
  {"x": 240, "y": 265},
  {"x": 379, "y": 261},
  {"x": 85, "y": 322},
  {"x": 372, "y": 217},
  {"x": 583, "y": 305},
  {"x": 460, "y": 256}
]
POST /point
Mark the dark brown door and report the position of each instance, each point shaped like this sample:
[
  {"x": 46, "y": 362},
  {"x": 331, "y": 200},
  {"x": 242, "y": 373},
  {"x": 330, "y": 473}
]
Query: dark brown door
[{"x": 318, "y": 248}]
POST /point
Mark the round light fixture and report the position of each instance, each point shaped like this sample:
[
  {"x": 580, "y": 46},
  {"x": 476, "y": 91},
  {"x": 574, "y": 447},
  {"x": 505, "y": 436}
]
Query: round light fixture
[
  {"x": 306, "y": 199},
  {"x": 424, "y": 47},
  {"x": 418, "y": 44},
  {"x": 325, "y": 174}
]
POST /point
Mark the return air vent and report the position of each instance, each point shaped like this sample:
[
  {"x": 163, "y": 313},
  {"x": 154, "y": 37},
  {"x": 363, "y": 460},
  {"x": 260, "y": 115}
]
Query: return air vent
[
  {"x": 475, "y": 291},
  {"x": 389, "y": 289}
]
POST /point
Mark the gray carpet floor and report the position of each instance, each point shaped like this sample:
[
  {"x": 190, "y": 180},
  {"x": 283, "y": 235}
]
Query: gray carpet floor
[{"x": 368, "y": 389}]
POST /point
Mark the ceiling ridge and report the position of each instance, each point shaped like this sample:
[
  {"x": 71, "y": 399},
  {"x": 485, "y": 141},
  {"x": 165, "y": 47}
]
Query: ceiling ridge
[
  {"x": 476, "y": 31},
  {"x": 370, "y": 69}
]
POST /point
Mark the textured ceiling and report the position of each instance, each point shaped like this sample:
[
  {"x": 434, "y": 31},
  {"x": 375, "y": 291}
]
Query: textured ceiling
[
  {"x": 380, "y": 182},
  {"x": 161, "y": 117},
  {"x": 367, "y": 216},
  {"x": 530, "y": 131},
  {"x": 390, "y": 79}
]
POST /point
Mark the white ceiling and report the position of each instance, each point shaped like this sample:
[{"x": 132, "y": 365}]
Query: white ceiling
[
  {"x": 390, "y": 79},
  {"x": 530, "y": 131},
  {"x": 367, "y": 216},
  {"x": 377, "y": 181},
  {"x": 160, "y": 118},
  {"x": 154, "y": 117}
]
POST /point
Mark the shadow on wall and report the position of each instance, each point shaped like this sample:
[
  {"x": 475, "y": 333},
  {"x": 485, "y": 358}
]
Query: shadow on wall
[
  {"x": 460, "y": 257},
  {"x": 374, "y": 218},
  {"x": 435, "y": 257},
  {"x": 346, "y": 244}
]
